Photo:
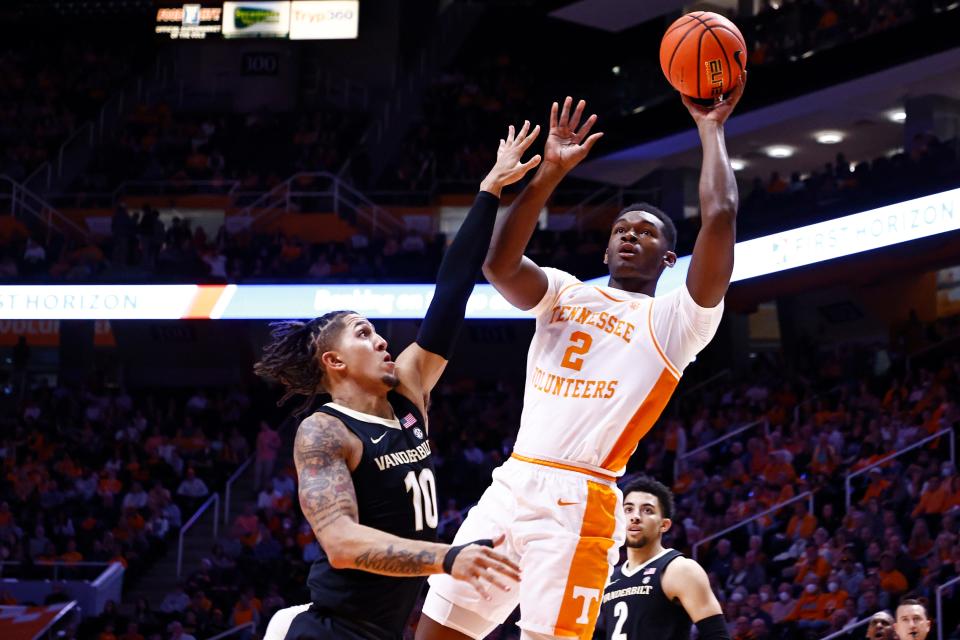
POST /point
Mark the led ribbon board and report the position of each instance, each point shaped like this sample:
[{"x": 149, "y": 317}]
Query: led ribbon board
[{"x": 811, "y": 244}]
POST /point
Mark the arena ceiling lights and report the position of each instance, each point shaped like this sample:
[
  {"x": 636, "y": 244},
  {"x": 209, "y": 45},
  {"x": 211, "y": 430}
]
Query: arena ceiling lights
[
  {"x": 829, "y": 137},
  {"x": 779, "y": 151},
  {"x": 896, "y": 115},
  {"x": 810, "y": 244}
]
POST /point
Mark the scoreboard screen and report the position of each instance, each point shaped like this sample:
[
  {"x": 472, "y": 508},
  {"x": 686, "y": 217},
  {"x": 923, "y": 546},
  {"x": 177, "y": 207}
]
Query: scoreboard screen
[{"x": 294, "y": 20}]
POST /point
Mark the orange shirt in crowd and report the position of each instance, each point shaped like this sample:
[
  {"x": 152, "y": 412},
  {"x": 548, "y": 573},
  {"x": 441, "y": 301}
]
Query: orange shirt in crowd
[
  {"x": 892, "y": 582},
  {"x": 801, "y": 527},
  {"x": 820, "y": 568},
  {"x": 110, "y": 485},
  {"x": 810, "y": 607},
  {"x": 834, "y": 601},
  {"x": 876, "y": 489},
  {"x": 932, "y": 502},
  {"x": 242, "y": 614}
]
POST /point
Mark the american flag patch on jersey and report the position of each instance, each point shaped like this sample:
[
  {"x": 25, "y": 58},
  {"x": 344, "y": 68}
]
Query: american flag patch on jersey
[
  {"x": 650, "y": 571},
  {"x": 408, "y": 421}
]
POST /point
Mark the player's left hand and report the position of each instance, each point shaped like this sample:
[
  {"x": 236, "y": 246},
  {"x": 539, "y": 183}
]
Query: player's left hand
[
  {"x": 568, "y": 142},
  {"x": 720, "y": 110},
  {"x": 508, "y": 168},
  {"x": 484, "y": 567}
]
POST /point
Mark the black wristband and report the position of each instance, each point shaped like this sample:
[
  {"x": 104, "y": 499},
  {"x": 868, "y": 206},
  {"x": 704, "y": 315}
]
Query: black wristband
[
  {"x": 453, "y": 552},
  {"x": 713, "y": 628}
]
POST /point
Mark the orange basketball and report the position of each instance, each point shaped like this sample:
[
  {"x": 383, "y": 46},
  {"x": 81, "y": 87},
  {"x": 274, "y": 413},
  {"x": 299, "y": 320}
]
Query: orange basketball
[{"x": 702, "y": 55}]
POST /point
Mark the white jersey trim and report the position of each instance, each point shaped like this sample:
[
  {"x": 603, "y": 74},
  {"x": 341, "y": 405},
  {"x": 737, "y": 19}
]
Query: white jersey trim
[
  {"x": 630, "y": 572},
  {"x": 392, "y": 423}
]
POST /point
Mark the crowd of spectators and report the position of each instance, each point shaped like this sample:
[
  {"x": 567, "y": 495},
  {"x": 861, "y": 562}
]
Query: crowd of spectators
[
  {"x": 47, "y": 89},
  {"x": 796, "y": 573},
  {"x": 242, "y": 152},
  {"x": 144, "y": 246},
  {"x": 97, "y": 474},
  {"x": 785, "y": 30},
  {"x": 843, "y": 186}
]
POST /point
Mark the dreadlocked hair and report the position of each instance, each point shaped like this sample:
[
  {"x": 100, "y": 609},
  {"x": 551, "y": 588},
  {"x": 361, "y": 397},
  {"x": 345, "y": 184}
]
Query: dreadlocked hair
[{"x": 292, "y": 355}]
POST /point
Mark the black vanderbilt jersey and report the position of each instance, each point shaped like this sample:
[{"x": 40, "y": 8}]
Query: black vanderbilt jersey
[
  {"x": 396, "y": 493},
  {"x": 635, "y": 607}
]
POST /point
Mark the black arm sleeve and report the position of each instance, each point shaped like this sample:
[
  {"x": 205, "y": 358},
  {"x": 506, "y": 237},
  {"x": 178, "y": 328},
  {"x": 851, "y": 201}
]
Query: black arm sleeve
[
  {"x": 713, "y": 628},
  {"x": 458, "y": 272}
]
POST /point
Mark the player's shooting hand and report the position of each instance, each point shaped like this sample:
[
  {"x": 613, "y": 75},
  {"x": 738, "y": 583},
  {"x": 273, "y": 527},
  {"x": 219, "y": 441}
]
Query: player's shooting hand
[
  {"x": 567, "y": 145},
  {"x": 719, "y": 111},
  {"x": 508, "y": 168},
  {"x": 482, "y": 567}
]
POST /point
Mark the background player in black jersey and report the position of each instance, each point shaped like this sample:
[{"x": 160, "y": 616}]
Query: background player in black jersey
[
  {"x": 366, "y": 482},
  {"x": 912, "y": 620},
  {"x": 656, "y": 593}
]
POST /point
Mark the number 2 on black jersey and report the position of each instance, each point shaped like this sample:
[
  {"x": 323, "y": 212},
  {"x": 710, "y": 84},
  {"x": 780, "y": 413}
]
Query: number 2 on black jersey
[{"x": 621, "y": 611}]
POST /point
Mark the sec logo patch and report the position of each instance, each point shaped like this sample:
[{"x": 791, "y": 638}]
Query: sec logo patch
[{"x": 417, "y": 431}]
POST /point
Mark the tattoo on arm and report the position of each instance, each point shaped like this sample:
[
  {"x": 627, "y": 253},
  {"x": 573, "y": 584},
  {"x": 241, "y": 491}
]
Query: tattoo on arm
[
  {"x": 397, "y": 561},
  {"x": 325, "y": 485}
]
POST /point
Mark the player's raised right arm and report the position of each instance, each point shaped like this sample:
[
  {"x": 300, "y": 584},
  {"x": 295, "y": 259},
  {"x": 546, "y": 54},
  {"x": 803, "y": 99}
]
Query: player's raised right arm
[
  {"x": 515, "y": 276},
  {"x": 327, "y": 498}
]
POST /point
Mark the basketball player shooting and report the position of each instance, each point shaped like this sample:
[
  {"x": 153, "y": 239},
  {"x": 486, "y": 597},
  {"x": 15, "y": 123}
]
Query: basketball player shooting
[
  {"x": 657, "y": 592},
  {"x": 366, "y": 481},
  {"x": 601, "y": 367}
]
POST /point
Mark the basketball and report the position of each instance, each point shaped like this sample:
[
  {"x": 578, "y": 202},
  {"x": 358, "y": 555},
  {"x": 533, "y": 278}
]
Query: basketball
[{"x": 702, "y": 55}]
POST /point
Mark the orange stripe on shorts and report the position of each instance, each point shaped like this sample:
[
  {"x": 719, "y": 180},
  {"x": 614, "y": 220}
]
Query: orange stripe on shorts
[{"x": 589, "y": 568}]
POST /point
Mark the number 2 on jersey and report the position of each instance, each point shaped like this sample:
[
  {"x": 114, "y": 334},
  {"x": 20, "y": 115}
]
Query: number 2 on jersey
[
  {"x": 424, "y": 491},
  {"x": 620, "y": 611},
  {"x": 572, "y": 357}
]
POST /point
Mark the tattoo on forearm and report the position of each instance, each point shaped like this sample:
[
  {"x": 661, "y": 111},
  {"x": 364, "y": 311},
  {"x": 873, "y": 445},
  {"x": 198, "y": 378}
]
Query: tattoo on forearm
[
  {"x": 397, "y": 561},
  {"x": 326, "y": 487}
]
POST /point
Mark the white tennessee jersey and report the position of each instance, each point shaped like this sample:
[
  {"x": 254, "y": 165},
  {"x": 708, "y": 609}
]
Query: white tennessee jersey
[{"x": 601, "y": 367}]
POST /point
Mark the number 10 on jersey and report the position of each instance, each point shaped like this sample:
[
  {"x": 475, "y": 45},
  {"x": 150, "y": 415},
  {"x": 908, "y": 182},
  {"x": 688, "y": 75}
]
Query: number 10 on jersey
[{"x": 424, "y": 489}]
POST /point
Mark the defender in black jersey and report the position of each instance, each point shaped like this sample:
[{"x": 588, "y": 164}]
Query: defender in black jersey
[
  {"x": 657, "y": 592},
  {"x": 366, "y": 481}
]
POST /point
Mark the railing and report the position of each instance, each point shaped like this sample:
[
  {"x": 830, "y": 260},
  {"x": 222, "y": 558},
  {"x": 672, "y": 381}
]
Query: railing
[
  {"x": 26, "y": 206},
  {"x": 605, "y": 198},
  {"x": 214, "y": 500},
  {"x": 229, "y": 488},
  {"x": 171, "y": 187},
  {"x": 82, "y": 141},
  {"x": 57, "y": 567},
  {"x": 806, "y": 495},
  {"x": 847, "y": 629},
  {"x": 344, "y": 199},
  {"x": 232, "y": 632},
  {"x": 939, "y": 434},
  {"x": 723, "y": 438},
  {"x": 939, "y": 599}
]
